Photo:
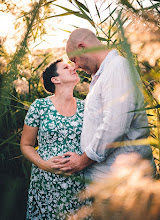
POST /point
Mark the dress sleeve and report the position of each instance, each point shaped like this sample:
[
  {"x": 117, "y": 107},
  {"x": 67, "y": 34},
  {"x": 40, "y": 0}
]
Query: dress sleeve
[{"x": 33, "y": 117}]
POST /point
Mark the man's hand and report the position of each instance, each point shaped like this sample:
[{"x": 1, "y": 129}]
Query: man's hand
[
  {"x": 51, "y": 166},
  {"x": 73, "y": 163},
  {"x": 70, "y": 163}
]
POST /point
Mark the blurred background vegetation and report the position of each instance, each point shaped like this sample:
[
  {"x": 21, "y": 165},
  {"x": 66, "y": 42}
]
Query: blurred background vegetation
[{"x": 132, "y": 27}]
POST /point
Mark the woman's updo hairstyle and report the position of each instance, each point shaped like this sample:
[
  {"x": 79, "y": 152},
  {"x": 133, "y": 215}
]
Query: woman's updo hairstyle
[{"x": 50, "y": 71}]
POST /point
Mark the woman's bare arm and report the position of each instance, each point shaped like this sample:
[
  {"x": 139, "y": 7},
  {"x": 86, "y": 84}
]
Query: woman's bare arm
[{"x": 28, "y": 140}]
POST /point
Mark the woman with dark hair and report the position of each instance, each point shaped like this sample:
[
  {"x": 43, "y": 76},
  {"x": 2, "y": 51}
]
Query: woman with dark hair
[{"x": 57, "y": 120}]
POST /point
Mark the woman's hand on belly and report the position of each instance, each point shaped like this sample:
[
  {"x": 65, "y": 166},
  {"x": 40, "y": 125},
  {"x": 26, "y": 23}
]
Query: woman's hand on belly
[{"x": 52, "y": 165}]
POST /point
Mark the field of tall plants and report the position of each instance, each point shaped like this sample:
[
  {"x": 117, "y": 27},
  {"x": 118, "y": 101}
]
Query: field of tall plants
[{"x": 130, "y": 26}]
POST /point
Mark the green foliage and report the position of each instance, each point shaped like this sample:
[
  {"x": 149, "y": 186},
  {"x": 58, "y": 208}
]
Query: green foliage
[
  {"x": 14, "y": 169},
  {"x": 13, "y": 104}
]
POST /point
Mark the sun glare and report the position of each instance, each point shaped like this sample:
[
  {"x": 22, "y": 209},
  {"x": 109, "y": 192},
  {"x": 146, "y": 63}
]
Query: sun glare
[{"x": 58, "y": 29}]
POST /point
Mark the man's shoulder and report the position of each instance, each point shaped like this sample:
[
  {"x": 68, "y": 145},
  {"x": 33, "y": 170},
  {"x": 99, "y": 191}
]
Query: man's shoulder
[
  {"x": 117, "y": 64},
  {"x": 114, "y": 70},
  {"x": 116, "y": 61}
]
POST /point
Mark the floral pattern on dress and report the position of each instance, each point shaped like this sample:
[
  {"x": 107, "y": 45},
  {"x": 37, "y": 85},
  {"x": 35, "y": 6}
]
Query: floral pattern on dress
[{"x": 52, "y": 196}]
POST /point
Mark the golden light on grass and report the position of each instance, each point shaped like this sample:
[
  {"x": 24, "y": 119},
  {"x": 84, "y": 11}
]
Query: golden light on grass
[
  {"x": 21, "y": 85},
  {"x": 143, "y": 34},
  {"x": 142, "y": 142},
  {"x": 127, "y": 192}
]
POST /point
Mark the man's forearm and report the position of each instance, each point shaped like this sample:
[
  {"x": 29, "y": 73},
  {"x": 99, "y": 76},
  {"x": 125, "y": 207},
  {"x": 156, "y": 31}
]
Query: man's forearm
[{"x": 85, "y": 161}]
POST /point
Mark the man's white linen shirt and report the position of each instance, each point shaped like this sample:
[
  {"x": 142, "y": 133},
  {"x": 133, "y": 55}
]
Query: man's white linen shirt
[{"x": 109, "y": 116}]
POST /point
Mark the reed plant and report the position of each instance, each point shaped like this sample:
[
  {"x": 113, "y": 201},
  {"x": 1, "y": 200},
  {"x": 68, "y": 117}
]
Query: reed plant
[{"x": 121, "y": 25}]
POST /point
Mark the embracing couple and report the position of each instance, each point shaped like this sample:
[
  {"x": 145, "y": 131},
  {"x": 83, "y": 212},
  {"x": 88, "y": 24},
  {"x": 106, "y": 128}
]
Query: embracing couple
[{"x": 76, "y": 139}]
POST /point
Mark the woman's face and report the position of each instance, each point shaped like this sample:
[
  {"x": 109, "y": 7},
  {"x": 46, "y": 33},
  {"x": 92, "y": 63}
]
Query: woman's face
[{"x": 67, "y": 73}]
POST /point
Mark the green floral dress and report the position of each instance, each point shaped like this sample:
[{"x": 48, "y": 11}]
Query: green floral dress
[{"x": 53, "y": 196}]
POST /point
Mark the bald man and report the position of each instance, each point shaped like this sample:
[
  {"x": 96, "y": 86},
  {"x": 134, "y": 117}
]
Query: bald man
[{"x": 110, "y": 108}]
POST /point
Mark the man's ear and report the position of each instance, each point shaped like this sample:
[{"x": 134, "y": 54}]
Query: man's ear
[
  {"x": 55, "y": 80},
  {"x": 82, "y": 46}
]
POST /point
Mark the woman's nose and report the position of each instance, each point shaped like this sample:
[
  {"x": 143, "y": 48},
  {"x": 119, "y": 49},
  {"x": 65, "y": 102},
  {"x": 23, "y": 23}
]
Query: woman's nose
[
  {"x": 73, "y": 68},
  {"x": 76, "y": 66}
]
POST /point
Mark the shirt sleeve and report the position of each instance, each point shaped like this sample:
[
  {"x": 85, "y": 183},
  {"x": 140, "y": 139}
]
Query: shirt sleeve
[
  {"x": 117, "y": 96},
  {"x": 33, "y": 117}
]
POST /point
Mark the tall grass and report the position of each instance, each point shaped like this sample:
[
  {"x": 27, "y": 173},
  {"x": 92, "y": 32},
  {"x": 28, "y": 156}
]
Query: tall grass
[
  {"x": 14, "y": 169},
  {"x": 111, "y": 29}
]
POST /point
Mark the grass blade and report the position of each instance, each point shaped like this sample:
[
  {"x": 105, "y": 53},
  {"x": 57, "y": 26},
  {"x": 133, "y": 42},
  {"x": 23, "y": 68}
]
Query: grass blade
[
  {"x": 80, "y": 5},
  {"x": 109, "y": 15}
]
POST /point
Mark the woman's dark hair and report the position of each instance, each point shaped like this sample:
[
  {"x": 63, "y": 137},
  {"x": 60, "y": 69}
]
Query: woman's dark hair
[{"x": 50, "y": 71}]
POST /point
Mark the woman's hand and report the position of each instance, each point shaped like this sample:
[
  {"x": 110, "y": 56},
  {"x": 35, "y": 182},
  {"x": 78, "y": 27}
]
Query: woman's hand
[
  {"x": 53, "y": 164},
  {"x": 72, "y": 163},
  {"x": 69, "y": 163}
]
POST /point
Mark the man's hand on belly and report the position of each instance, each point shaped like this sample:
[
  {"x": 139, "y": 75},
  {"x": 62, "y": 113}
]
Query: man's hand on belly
[{"x": 73, "y": 162}]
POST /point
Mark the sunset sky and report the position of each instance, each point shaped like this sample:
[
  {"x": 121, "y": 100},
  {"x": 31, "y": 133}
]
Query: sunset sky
[{"x": 55, "y": 36}]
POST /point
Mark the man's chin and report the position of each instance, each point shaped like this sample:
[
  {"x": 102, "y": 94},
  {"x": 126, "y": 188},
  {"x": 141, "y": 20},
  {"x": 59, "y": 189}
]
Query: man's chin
[{"x": 87, "y": 71}]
